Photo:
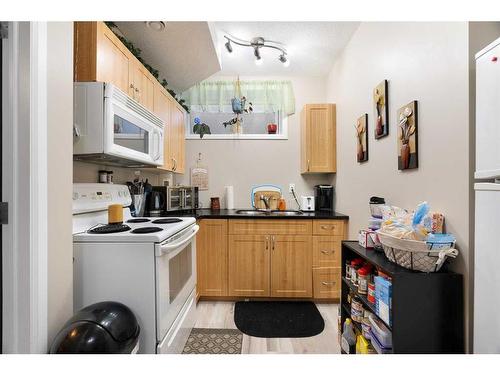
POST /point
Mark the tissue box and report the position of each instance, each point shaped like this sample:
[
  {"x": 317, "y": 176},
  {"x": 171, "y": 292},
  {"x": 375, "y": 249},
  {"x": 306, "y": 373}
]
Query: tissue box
[{"x": 368, "y": 239}]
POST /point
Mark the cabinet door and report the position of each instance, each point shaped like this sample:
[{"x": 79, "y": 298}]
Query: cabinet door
[
  {"x": 162, "y": 108},
  {"x": 211, "y": 248},
  {"x": 291, "y": 266},
  {"x": 112, "y": 59},
  {"x": 178, "y": 137},
  {"x": 142, "y": 86},
  {"x": 249, "y": 262},
  {"x": 327, "y": 251},
  {"x": 319, "y": 148},
  {"x": 327, "y": 282}
]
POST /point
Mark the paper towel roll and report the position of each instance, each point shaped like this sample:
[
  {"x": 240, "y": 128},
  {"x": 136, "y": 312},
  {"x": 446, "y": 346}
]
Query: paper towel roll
[{"x": 229, "y": 193}]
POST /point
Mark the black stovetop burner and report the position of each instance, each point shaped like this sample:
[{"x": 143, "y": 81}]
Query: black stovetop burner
[
  {"x": 167, "y": 221},
  {"x": 144, "y": 230},
  {"x": 138, "y": 220},
  {"x": 110, "y": 228}
]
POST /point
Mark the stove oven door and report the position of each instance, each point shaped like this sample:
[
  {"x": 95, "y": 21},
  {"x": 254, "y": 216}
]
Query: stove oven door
[{"x": 175, "y": 277}]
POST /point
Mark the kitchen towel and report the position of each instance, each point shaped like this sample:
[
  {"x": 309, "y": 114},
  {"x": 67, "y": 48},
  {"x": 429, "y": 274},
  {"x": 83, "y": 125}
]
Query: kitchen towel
[{"x": 229, "y": 193}]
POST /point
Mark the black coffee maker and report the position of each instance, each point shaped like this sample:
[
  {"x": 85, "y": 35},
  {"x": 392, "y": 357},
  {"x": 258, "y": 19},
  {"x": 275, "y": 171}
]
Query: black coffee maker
[{"x": 324, "y": 198}]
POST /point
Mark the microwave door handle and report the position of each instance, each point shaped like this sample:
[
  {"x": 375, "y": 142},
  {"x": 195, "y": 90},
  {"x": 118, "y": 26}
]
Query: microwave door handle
[{"x": 167, "y": 249}]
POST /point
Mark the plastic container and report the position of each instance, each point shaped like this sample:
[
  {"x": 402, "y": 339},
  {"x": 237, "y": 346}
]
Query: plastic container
[
  {"x": 375, "y": 204},
  {"x": 348, "y": 343},
  {"x": 379, "y": 348},
  {"x": 357, "y": 309},
  {"x": 366, "y": 327},
  {"x": 363, "y": 274},
  {"x": 362, "y": 345},
  {"x": 356, "y": 264},
  {"x": 380, "y": 332},
  {"x": 374, "y": 223}
]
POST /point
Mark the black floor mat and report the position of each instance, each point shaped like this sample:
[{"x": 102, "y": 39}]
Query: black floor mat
[{"x": 278, "y": 318}]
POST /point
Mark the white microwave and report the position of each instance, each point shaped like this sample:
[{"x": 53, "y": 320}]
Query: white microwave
[{"x": 111, "y": 128}]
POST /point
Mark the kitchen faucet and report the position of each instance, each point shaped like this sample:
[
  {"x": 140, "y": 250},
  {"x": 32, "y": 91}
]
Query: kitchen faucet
[{"x": 265, "y": 200}]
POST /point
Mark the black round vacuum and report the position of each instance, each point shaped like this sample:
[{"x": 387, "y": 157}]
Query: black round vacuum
[{"x": 104, "y": 327}]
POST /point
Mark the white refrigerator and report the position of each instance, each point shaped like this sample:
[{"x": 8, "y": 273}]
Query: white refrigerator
[{"x": 487, "y": 209}]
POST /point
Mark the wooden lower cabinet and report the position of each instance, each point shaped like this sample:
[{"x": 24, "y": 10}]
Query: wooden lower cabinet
[
  {"x": 291, "y": 266},
  {"x": 211, "y": 258},
  {"x": 238, "y": 258},
  {"x": 249, "y": 262},
  {"x": 326, "y": 283}
]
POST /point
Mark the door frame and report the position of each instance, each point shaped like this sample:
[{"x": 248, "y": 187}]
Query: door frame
[{"x": 24, "y": 182}]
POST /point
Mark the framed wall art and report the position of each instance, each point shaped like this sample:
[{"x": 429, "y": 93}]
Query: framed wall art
[
  {"x": 362, "y": 138},
  {"x": 407, "y": 136},
  {"x": 381, "y": 105}
]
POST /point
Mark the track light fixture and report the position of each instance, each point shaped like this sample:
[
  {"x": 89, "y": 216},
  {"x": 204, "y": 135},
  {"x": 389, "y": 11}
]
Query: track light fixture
[{"x": 258, "y": 43}]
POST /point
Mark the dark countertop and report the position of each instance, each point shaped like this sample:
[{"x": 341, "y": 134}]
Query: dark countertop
[{"x": 206, "y": 213}]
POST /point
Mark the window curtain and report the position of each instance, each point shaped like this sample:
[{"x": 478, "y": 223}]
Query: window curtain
[{"x": 216, "y": 95}]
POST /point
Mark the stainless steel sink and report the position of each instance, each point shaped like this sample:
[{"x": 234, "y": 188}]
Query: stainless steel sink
[
  {"x": 287, "y": 213},
  {"x": 250, "y": 212},
  {"x": 273, "y": 212}
]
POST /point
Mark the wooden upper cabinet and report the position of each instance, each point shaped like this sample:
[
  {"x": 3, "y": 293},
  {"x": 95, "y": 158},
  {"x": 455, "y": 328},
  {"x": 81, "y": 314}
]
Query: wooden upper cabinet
[
  {"x": 212, "y": 256},
  {"x": 291, "y": 266},
  {"x": 249, "y": 262},
  {"x": 318, "y": 139},
  {"x": 142, "y": 85},
  {"x": 177, "y": 142},
  {"x": 100, "y": 56}
]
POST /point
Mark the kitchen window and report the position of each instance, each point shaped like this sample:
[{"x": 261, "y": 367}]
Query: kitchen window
[
  {"x": 211, "y": 103},
  {"x": 254, "y": 124}
]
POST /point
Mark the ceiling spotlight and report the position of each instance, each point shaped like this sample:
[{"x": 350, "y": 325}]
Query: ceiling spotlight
[
  {"x": 256, "y": 52},
  {"x": 257, "y": 43},
  {"x": 284, "y": 60}
]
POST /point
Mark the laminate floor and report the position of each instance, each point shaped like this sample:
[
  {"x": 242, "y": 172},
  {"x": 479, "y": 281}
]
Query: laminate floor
[{"x": 221, "y": 315}]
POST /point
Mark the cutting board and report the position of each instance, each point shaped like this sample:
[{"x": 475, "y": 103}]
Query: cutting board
[{"x": 274, "y": 197}]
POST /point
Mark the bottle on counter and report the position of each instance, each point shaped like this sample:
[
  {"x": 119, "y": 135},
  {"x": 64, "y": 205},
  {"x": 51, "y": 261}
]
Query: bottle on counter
[{"x": 282, "y": 204}]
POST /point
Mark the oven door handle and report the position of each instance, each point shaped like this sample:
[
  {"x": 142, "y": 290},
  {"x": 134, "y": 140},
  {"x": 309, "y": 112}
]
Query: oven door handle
[{"x": 168, "y": 248}]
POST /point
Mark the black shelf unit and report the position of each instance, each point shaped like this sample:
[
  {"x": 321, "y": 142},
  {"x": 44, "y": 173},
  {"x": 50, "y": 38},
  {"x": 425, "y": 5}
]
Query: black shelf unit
[{"x": 427, "y": 308}]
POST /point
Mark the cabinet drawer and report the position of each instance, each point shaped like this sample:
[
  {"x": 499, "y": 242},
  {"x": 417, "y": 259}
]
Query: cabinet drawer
[
  {"x": 326, "y": 251},
  {"x": 328, "y": 227},
  {"x": 326, "y": 282},
  {"x": 266, "y": 226}
]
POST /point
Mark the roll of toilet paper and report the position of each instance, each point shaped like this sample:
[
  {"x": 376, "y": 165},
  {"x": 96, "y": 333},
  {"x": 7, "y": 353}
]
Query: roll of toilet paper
[{"x": 229, "y": 193}]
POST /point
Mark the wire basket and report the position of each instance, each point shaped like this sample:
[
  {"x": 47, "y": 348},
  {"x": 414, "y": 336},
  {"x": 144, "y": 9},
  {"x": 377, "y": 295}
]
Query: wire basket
[{"x": 416, "y": 255}]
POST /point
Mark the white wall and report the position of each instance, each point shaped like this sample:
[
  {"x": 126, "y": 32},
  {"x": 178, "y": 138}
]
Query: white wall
[
  {"x": 244, "y": 163},
  {"x": 60, "y": 169},
  {"x": 88, "y": 172},
  {"x": 427, "y": 62}
]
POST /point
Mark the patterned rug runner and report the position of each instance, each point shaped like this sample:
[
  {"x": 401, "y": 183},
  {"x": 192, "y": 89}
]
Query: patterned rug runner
[{"x": 213, "y": 341}]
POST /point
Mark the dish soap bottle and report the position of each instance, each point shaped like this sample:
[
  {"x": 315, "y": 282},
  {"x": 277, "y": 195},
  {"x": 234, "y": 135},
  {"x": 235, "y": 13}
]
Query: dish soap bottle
[{"x": 348, "y": 344}]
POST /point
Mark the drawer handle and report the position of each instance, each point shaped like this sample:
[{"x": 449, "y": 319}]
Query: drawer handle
[
  {"x": 327, "y": 252},
  {"x": 328, "y": 227},
  {"x": 328, "y": 282}
]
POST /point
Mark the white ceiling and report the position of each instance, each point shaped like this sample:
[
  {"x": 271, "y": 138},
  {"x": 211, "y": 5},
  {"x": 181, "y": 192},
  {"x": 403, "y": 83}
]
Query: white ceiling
[
  {"x": 184, "y": 52},
  {"x": 312, "y": 46}
]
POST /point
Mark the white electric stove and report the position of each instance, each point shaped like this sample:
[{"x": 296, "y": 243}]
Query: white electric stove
[{"x": 148, "y": 264}]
